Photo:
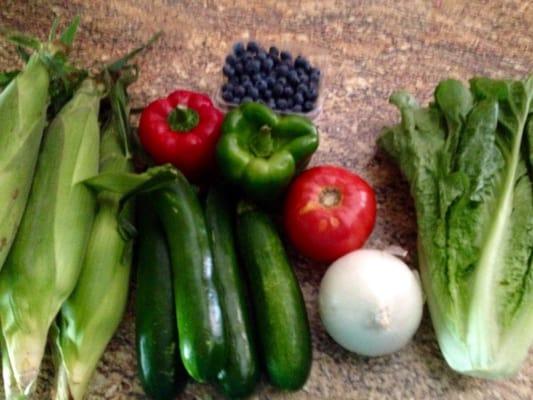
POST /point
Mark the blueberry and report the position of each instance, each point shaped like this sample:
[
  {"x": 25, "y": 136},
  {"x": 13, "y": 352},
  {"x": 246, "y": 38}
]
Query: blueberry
[
  {"x": 288, "y": 64},
  {"x": 298, "y": 98},
  {"x": 301, "y": 71},
  {"x": 282, "y": 81},
  {"x": 245, "y": 57},
  {"x": 267, "y": 64},
  {"x": 228, "y": 70},
  {"x": 293, "y": 77},
  {"x": 239, "y": 68},
  {"x": 246, "y": 99},
  {"x": 247, "y": 85},
  {"x": 271, "y": 103},
  {"x": 267, "y": 94},
  {"x": 227, "y": 96},
  {"x": 238, "y": 49},
  {"x": 273, "y": 51},
  {"x": 245, "y": 78},
  {"x": 263, "y": 92},
  {"x": 314, "y": 72},
  {"x": 282, "y": 70},
  {"x": 271, "y": 81},
  {"x": 312, "y": 94},
  {"x": 240, "y": 91},
  {"x": 252, "y": 92},
  {"x": 288, "y": 91},
  {"x": 227, "y": 87},
  {"x": 308, "y": 106},
  {"x": 304, "y": 78},
  {"x": 231, "y": 60},
  {"x": 252, "y": 47},
  {"x": 236, "y": 100},
  {"x": 285, "y": 56},
  {"x": 314, "y": 78},
  {"x": 297, "y": 108},
  {"x": 234, "y": 80},
  {"x": 261, "y": 85},
  {"x": 249, "y": 67},
  {"x": 281, "y": 103},
  {"x": 290, "y": 103},
  {"x": 302, "y": 88},
  {"x": 262, "y": 55},
  {"x": 256, "y": 77},
  {"x": 277, "y": 90},
  {"x": 300, "y": 62}
]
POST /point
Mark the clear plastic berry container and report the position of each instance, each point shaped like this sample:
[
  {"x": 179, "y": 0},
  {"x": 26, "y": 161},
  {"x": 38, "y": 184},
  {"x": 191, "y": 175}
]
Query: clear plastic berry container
[{"x": 314, "y": 54}]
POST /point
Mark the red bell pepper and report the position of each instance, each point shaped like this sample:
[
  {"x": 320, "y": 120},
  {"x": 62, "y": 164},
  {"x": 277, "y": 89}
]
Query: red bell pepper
[{"x": 183, "y": 130}]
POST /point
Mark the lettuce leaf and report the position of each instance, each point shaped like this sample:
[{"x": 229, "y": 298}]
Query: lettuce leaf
[{"x": 468, "y": 158}]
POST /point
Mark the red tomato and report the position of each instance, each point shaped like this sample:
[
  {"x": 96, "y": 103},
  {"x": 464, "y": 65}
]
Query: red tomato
[{"x": 329, "y": 211}]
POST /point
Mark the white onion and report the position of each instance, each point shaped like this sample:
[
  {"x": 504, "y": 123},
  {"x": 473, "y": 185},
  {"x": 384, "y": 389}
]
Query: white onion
[{"x": 370, "y": 302}]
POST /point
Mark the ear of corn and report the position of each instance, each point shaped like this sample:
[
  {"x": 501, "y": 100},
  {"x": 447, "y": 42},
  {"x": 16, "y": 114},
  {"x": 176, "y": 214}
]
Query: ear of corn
[
  {"x": 23, "y": 105},
  {"x": 90, "y": 316},
  {"x": 44, "y": 263}
]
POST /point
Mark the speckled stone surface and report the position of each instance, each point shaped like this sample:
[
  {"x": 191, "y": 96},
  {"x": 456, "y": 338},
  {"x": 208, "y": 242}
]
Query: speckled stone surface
[{"x": 371, "y": 49}]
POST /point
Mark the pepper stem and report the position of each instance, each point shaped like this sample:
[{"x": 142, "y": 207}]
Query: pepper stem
[
  {"x": 261, "y": 143},
  {"x": 183, "y": 119}
]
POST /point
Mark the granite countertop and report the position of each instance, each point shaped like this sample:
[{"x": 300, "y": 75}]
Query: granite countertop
[{"x": 371, "y": 49}]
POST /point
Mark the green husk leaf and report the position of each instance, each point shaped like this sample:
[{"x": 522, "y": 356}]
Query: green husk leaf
[
  {"x": 20, "y": 39},
  {"x": 53, "y": 30},
  {"x": 23, "y": 54},
  {"x": 65, "y": 78},
  {"x": 119, "y": 64},
  {"x": 68, "y": 36},
  {"x": 131, "y": 183}
]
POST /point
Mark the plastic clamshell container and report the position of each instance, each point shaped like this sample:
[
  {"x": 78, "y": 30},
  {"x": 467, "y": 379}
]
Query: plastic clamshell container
[{"x": 315, "y": 55}]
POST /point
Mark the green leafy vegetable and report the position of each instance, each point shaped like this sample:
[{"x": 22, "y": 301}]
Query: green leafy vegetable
[{"x": 468, "y": 158}]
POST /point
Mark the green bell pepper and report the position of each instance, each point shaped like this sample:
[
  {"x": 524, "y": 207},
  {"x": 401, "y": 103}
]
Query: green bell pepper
[{"x": 261, "y": 151}]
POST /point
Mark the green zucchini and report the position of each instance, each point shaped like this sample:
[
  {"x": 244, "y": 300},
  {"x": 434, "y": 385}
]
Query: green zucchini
[
  {"x": 198, "y": 309},
  {"x": 160, "y": 368},
  {"x": 241, "y": 372},
  {"x": 279, "y": 307}
]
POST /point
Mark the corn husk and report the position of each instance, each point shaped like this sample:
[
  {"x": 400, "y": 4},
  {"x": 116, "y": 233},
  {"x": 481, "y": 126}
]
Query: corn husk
[
  {"x": 45, "y": 261},
  {"x": 91, "y": 315},
  {"x": 23, "y": 105}
]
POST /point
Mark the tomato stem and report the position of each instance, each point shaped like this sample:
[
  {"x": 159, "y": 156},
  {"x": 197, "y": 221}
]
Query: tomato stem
[{"x": 330, "y": 197}]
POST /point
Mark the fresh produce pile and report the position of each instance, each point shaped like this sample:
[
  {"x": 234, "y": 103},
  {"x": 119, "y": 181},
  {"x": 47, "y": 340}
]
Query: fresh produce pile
[{"x": 217, "y": 299}]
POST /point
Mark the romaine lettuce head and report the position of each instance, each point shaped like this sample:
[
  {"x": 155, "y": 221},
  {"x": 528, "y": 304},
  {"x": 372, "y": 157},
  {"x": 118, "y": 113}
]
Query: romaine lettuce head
[{"x": 468, "y": 158}]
